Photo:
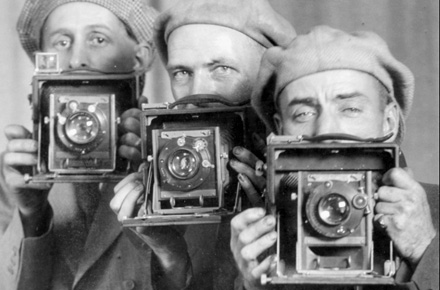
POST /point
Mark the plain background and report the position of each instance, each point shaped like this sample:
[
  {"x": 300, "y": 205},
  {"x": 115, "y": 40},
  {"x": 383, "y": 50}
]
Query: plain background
[{"x": 411, "y": 29}]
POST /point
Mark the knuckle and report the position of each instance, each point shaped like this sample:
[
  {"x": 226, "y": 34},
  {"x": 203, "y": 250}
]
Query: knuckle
[{"x": 246, "y": 254}]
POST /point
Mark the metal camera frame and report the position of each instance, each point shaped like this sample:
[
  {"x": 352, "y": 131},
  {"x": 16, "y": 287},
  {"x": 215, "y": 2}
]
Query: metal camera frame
[
  {"x": 354, "y": 168},
  {"x": 159, "y": 124},
  {"x": 52, "y": 141}
]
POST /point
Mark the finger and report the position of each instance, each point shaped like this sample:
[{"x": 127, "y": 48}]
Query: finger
[
  {"x": 17, "y": 132},
  {"x": 129, "y": 204},
  {"x": 398, "y": 177},
  {"x": 263, "y": 267},
  {"x": 20, "y": 159},
  {"x": 250, "y": 191},
  {"x": 243, "y": 219},
  {"x": 128, "y": 179},
  {"x": 22, "y": 145},
  {"x": 17, "y": 181},
  {"x": 258, "y": 181},
  {"x": 386, "y": 208},
  {"x": 252, "y": 251},
  {"x": 130, "y": 125},
  {"x": 245, "y": 156},
  {"x": 381, "y": 220},
  {"x": 259, "y": 143},
  {"x": 142, "y": 100},
  {"x": 130, "y": 153},
  {"x": 388, "y": 194},
  {"x": 131, "y": 113},
  {"x": 122, "y": 193},
  {"x": 131, "y": 139},
  {"x": 258, "y": 229}
]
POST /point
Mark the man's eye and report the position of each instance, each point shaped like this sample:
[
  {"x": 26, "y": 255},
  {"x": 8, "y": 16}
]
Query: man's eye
[
  {"x": 181, "y": 75},
  {"x": 304, "y": 115},
  {"x": 352, "y": 111},
  {"x": 62, "y": 44},
  {"x": 223, "y": 70},
  {"x": 98, "y": 40}
]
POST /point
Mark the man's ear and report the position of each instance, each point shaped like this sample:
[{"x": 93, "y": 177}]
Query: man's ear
[
  {"x": 278, "y": 123},
  {"x": 391, "y": 121},
  {"x": 144, "y": 57}
]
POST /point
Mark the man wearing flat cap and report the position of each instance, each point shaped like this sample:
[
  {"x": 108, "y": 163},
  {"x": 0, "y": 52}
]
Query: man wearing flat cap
[
  {"x": 66, "y": 236},
  {"x": 214, "y": 47},
  {"x": 332, "y": 82}
]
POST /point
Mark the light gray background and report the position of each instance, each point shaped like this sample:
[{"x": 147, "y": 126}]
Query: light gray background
[{"x": 410, "y": 27}]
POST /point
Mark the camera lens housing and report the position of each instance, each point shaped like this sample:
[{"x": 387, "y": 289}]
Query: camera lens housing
[{"x": 330, "y": 209}]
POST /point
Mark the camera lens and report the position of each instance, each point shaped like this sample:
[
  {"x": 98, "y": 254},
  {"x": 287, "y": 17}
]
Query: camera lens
[
  {"x": 183, "y": 164},
  {"x": 82, "y": 127},
  {"x": 333, "y": 209}
]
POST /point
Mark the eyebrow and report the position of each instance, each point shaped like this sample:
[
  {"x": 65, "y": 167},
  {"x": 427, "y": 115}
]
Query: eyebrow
[
  {"x": 93, "y": 27},
  {"x": 312, "y": 101},
  {"x": 215, "y": 61},
  {"x": 350, "y": 96},
  {"x": 303, "y": 101}
]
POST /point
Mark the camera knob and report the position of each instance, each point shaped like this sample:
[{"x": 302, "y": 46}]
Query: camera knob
[
  {"x": 61, "y": 119},
  {"x": 265, "y": 279},
  {"x": 27, "y": 178}
]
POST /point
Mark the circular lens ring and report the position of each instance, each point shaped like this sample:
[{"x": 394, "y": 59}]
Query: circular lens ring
[
  {"x": 183, "y": 164},
  {"x": 82, "y": 127},
  {"x": 333, "y": 209},
  {"x": 347, "y": 225}
]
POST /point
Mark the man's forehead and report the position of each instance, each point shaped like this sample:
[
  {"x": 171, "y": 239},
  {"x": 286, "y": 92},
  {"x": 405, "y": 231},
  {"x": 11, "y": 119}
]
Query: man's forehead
[{"x": 332, "y": 82}]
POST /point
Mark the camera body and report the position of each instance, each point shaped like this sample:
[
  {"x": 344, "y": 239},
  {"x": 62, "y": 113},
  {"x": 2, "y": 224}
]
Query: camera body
[
  {"x": 76, "y": 119},
  {"x": 322, "y": 197},
  {"x": 186, "y": 173}
]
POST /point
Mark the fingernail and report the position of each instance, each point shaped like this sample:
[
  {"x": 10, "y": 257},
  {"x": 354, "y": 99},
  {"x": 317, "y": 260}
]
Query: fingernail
[
  {"x": 138, "y": 143},
  {"x": 273, "y": 236},
  {"x": 259, "y": 168},
  {"x": 139, "y": 186},
  {"x": 269, "y": 221},
  {"x": 241, "y": 178},
  {"x": 261, "y": 211},
  {"x": 237, "y": 150},
  {"x": 376, "y": 196},
  {"x": 232, "y": 162}
]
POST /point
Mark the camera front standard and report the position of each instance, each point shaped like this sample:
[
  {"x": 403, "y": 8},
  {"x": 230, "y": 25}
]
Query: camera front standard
[
  {"x": 322, "y": 197},
  {"x": 76, "y": 119},
  {"x": 186, "y": 173}
]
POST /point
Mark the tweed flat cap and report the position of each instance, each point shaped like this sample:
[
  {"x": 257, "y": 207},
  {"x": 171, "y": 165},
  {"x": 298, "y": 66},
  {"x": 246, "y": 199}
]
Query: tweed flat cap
[
  {"x": 254, "y": 18},
  {"x": 324, "y": 49},
  {"x": 137, "y": 15}
]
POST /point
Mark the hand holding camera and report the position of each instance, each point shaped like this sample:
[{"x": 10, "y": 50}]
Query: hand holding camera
[
  {"x": 130, "y": 140},
  {"x": 403, "y": 211},
  {"x": 31, "y": 199},
  {"x": 167, "y": 242},
  {"x": 252, "y": 234}
]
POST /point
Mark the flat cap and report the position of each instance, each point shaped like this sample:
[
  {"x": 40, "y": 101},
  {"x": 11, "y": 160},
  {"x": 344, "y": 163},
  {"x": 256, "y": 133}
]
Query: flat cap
[
  {"x": 137, "y": 15},
  {"x": 324, "y": 49},
  {"x": 254, "y": 18}
]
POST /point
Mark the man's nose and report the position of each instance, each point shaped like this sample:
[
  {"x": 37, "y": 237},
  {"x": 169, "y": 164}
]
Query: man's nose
[
  {"x": 202, "y": 84},
  {"x": 327, "y": 124},
  {"x": 79, "y": 57}
]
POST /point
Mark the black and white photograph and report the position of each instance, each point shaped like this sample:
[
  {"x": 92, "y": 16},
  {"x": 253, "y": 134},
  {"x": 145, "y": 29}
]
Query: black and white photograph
[{"x": 219, "y": 144}]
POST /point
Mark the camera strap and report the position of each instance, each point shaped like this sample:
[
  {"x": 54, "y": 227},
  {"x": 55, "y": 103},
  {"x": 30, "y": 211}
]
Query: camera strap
[
  {"x": 203, "y": 100},
  {"x": 343, "y": 137}
]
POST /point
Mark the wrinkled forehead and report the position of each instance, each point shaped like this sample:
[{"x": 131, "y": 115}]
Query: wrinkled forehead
[
  {"x": 214, "y": 40},
  {"x": 331, "y": 84}
]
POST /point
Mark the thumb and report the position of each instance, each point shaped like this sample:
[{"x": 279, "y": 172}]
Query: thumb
[{"x": 142, "y": 100}]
